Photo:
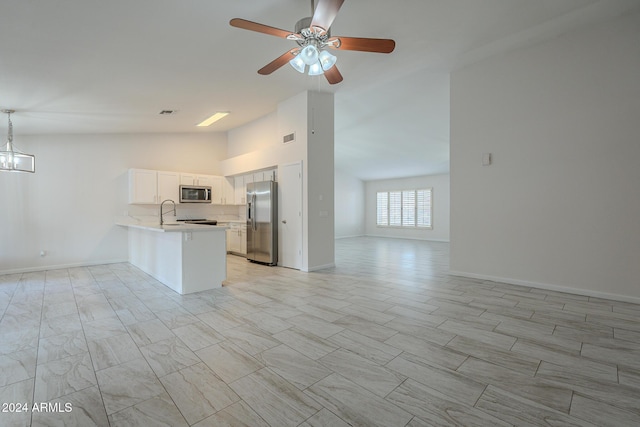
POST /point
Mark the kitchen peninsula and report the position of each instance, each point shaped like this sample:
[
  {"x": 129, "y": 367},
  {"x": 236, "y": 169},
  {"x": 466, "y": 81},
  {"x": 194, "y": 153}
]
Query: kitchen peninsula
[{"x": 185, "y": 257}]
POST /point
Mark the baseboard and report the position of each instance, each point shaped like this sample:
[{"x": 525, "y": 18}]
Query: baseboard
[
  {"x": 349, "y": 237},
  {"x": 61, "y": 266},
  {"x": 320, "y": 267},
  {"x": 408, "y": 238},
  {"x": 549, "y": 287}
]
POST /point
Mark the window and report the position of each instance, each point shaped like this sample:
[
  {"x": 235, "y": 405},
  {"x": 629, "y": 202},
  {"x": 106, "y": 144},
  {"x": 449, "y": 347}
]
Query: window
[{"x": 407, "y": 208}]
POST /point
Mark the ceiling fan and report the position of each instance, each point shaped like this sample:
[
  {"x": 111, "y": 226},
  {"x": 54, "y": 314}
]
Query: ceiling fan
[{"x": 313, "y": 36}]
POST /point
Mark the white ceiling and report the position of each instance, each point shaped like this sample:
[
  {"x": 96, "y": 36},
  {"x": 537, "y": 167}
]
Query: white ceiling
[{"x": 110, "y": 66}]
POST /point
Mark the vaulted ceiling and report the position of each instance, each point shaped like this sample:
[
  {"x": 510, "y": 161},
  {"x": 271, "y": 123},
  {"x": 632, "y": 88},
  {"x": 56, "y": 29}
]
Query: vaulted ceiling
[{"x": 110, "y": 66}]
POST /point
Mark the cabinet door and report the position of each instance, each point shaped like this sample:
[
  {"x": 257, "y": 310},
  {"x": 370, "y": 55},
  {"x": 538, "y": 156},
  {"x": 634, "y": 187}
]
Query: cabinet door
[
  {"x": 215, "y": 182},
  {"x": 243, "y": 239},
  {"x": 143, "y": 186},
  {"x": 228, "y": 191},
  {"x": 229, "y": 232},
  {"x": 187, "y": 179},
  {"x": 235, "y": 238},
  {"x": 206, "y": 180},
  {"x": 240, "y": 190},
  {"x": 168, "y": 186}
]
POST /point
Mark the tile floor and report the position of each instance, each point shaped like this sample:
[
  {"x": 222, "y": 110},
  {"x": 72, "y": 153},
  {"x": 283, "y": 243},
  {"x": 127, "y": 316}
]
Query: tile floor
[{"x": 387, "y": 338}]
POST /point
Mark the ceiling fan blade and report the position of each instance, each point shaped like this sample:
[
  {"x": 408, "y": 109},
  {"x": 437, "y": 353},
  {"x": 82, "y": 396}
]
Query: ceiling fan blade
[
  {"x": 365, "y": 44},
  {"x": 326, "y": 11},
  {"x": 277, "y": 63},
  {"x": 260, "y": 28},
  {"x": 333, "y": 75}
]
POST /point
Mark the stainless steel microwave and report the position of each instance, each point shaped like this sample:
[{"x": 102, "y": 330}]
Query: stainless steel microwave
[{"x": 195, "y": 194}]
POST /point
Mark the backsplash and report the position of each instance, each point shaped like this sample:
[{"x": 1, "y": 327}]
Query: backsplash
[{"x": 150, "y": 213}]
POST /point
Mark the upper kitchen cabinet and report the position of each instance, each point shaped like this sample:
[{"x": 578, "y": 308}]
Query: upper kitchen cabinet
[
  {"x": 201, "y": 180},
  {"x": 241, "y": 181},
  {"x": 222, "y": 192},
  {"x": 240, "y": 190},
  {"x": 268, "y": 175},
  {"x": 228, "y": 191},
  {"x": 152, "y": 187}
]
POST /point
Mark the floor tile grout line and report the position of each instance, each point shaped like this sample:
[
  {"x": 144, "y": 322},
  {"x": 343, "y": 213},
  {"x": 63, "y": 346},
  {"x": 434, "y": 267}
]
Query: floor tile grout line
[{"x": 90, "y": 355}]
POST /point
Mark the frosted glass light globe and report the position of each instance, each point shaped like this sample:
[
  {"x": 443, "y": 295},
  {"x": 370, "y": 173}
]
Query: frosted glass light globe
[
  {"x": 309, "y": 54},
  {"x": 315, "y": 69},
  {"x": 298, "y": 64},
  {"x": 327, "y": 60}
]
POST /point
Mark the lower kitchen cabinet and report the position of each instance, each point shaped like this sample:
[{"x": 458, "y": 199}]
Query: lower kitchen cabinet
[
  {"x": 243, "y": 239},
  {"x": 237, "y": 239}
]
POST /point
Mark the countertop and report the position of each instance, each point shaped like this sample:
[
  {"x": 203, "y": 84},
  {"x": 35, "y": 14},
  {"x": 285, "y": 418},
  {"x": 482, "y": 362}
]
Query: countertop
[{"x": 172, "y": 227}]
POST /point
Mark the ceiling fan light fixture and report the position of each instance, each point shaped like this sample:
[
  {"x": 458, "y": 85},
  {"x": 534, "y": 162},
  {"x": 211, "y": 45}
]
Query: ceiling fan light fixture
[
  {"x": 298, "y": 64},
  {"x": 316, "y": 69},
  {"x": 327, "y": 60},
  {"x": 309, "y": 54}
]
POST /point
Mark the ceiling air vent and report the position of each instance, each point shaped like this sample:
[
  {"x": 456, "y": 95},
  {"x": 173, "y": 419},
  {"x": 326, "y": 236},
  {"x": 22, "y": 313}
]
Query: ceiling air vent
[
  {"x": 167, "y": 112},
  {"x": 289, "y": 138}
]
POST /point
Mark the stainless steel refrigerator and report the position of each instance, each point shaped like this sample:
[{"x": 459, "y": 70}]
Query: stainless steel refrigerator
[{"x": 262, "y": 222}]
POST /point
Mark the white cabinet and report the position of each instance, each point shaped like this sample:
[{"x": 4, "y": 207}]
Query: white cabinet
[
  {"x": 240, "y": 191},
  {"x": 143, "y": 186},
  {"x": 168, "y": 187},
  {"x": 228, "y": 191},
  {"x": 237, "y": 238},
  {"x": 268, "y": 175},
  {"x": 217, "y": 197},
  {"x": 243, "y": 239},
  {"x": 193, "y": 179},
  {"x": 152, "y": 187},
  {"x": 240, "y": 183},
  {"x": 187, "y": 179},
  {"x": 234, "y": 240},
  {"x": 222, "y": 191},
  {"x": 206, "y": 180},
  {"x": 229, "y": 236}
]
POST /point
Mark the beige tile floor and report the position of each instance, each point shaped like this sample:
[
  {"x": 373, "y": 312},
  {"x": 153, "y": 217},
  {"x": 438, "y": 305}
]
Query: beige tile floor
[{"x": 387, "y": 338}]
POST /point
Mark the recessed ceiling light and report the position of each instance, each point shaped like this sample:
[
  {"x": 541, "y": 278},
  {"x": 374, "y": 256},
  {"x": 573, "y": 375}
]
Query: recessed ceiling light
[{"x": 217, "y": 116}]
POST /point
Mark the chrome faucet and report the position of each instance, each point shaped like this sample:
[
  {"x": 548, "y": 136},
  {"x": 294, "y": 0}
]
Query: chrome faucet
[{"x": 162, "y": 214}]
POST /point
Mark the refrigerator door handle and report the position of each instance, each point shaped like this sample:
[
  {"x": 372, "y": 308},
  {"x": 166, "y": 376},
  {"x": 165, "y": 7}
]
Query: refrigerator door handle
[{"x": 253, "y": 219}]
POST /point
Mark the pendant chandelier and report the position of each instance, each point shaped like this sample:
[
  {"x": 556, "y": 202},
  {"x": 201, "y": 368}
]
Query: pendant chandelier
[{"x": 12, "y": 159}]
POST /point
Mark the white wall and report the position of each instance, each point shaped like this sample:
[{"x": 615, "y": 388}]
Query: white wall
[
  {"x": 255, "y": 136},
  {"x": 441, "y": 202},
  {"x": 349, "y": 205},
  {"x": 560, "y": 206},
  {"x": 319, "y": 174},
  {"x": 67, "y": 208}
]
